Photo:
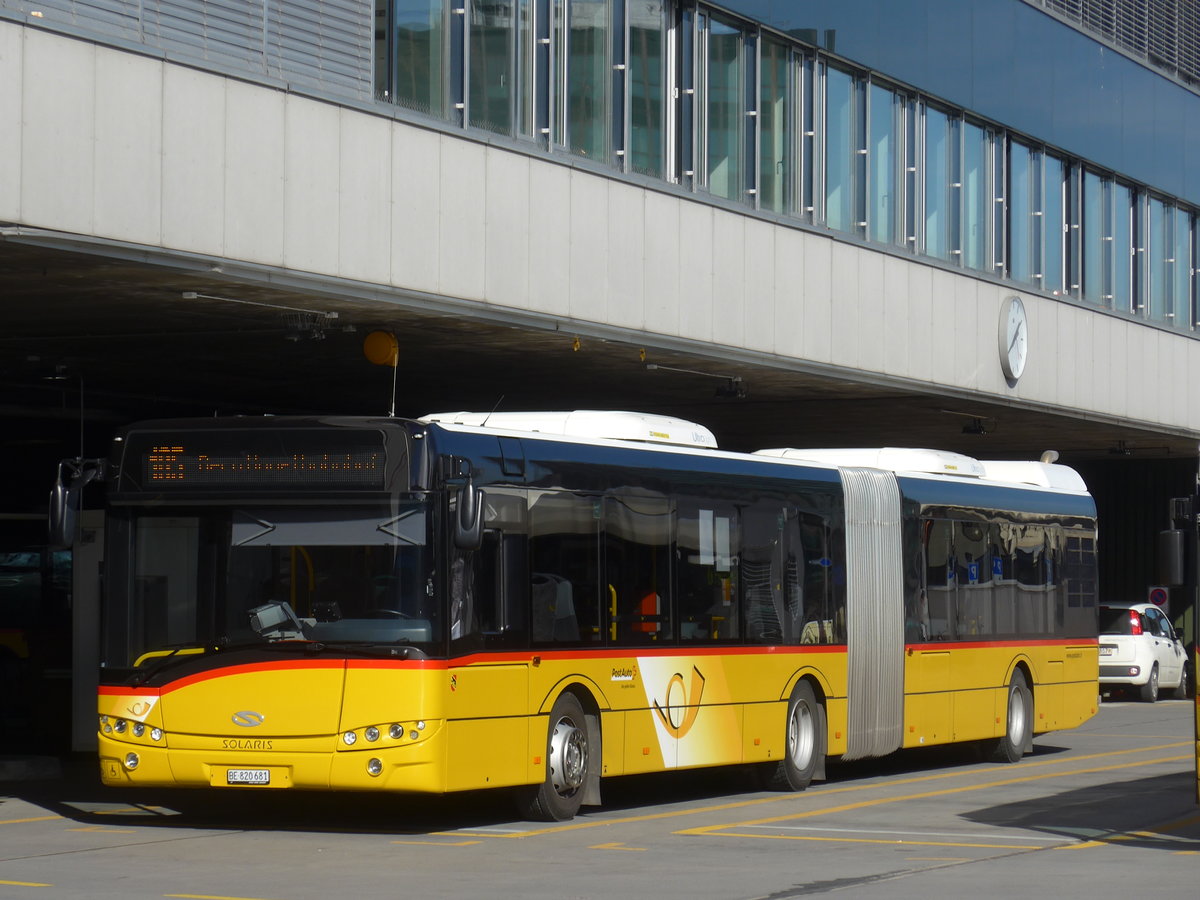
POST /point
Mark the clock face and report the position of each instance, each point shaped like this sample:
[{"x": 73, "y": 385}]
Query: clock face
[{"x": 1014, "y": 338}]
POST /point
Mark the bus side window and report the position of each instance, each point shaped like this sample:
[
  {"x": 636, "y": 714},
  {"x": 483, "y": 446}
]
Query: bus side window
[
  {"x": 940, "y": 579},
  {"x": 706, "y": 570},
  {"x": 563, "y": 561},
  {"x": 815, "y": 563},
  {"x": 763, "y": 563},
  {"x": 489, "y": 593},
  {"x": 637, "y": 575}
]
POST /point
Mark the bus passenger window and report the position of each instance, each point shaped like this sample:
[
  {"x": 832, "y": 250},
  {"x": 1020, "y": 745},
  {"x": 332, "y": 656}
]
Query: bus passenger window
[
  {"x": 940, "y": 572},
  {"x": 564, "y": 585},
  {"x": 763, "y": 607},
  {"x": 637, "y": 553},
  {"x": 976, "y": 615},
  {"x": 706, "y": 572},
  {"x": 815, "y": 562}
]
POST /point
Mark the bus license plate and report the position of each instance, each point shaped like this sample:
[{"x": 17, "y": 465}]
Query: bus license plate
[
  {"x": 248, "y": 776},
  {"x": 1106, "y": 651}
]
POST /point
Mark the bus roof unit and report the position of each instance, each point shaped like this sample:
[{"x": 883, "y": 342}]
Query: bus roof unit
[
  {"x": 895, "y": 459},
  {"x": 590, "y": 424},
  {"x": 1047, "y": 475}
]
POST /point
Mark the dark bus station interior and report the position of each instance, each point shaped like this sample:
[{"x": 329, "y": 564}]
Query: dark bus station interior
[{"x": 95, "y": 341}]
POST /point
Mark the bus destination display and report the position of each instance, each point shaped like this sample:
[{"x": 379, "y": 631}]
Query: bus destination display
[{"x": 174, "y": 464}]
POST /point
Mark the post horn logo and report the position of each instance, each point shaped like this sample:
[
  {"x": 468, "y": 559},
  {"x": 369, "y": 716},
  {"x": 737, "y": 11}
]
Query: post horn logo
[
  {"x": 682, "y": 704},
  {"x": 248, "y": 719}
]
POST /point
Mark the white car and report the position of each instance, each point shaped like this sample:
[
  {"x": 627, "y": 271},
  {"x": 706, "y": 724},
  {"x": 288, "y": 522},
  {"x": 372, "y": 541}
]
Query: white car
[{"x": 1139, "y": 649}]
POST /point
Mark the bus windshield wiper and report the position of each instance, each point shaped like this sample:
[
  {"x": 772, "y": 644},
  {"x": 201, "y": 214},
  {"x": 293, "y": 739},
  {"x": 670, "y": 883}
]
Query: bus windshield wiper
[{"x": 167, "y": 659}]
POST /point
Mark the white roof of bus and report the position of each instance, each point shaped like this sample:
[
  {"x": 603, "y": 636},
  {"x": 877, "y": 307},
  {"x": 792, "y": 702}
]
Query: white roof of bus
[
  {"x": 896, "y": 459},
  {"x": 667, "y": 431},
  {"x": 941, "y": 462},
  {"x": 589, "y": 424}
]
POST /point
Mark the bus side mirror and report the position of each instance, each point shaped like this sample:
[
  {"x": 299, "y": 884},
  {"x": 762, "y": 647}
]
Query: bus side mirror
[
  {"x": 65, "y": 498},
  {"x": 1172, "y": 557},
  {"x": 468, "y": 517}
]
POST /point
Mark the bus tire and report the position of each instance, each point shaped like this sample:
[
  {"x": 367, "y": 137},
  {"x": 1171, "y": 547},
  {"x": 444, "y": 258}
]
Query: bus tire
[
  {"x": 804, "y": 745},
  {"x": 1018, "y": 721},
  {"x": 568, "y": 765}
]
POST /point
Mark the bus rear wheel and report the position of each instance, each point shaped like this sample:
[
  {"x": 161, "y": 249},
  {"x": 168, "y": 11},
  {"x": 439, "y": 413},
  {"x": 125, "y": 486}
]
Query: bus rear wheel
[
  {"x": 1018, "y": 722},
  {"x": 568, "y": 765},
  {"x": 796, "y": 770}
]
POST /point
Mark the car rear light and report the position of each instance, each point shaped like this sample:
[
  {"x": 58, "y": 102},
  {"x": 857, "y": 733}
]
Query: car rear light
[{"x": 1135, "y": 622}]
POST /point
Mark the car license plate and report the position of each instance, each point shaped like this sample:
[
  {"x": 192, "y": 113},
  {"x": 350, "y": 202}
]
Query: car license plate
[
  {"x": 1106, "y": 651},
  {"x": 248, "y": 776}
]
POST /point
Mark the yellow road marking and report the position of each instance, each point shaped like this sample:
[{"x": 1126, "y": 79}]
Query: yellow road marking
[
  {"x": 26, "y": 884},
  {"x": 441, "y": 843},
  {"x": 102, "y": 830},
  {"x": 824, "y": 792},
  {"x": 209, "y": 897},
  {"x": 32, "y": 819},
  {"x": 880, "y": 801},
  {"x": 891, "y": 842},
  {"x": 617, "y": 846}
]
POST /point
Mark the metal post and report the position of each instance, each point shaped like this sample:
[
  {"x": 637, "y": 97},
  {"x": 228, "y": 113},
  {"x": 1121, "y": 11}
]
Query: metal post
[{"x": 1194, "y": 587}]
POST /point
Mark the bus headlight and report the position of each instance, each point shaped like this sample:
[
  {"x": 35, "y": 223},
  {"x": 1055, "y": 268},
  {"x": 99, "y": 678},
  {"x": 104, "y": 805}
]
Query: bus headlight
[
  {"x": 131, "y": 761},
  {"x": 396, "y": 732},
  {"x": 371, "y": 733},
  {"x": 138, "y": 729},
  {"x": 121, "y": 726},
  {"x": 349, "y": 738},
  {"x": 156, "y": 734},
  {"x": 374, "y": 766}
]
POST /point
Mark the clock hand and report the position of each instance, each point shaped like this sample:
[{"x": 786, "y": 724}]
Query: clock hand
[{"x": 1016, "y": 337}]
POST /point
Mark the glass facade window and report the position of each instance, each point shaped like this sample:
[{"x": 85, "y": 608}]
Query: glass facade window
[
  {"x": 775, "y": 117},
  {"x": 687, "y": 93},
  {"x": 1024, "y": 198},
  {"x": 1124, "y": 249},
  {"x": 585, "y": 48},
  {"x": 1181, "y": 268},
  {"x": 938, "y": 194},
  {"x": 724, "y": 110},
  {"x": 491, "y": 71},
  {"x": 884, "y": 157},
  {"x": 976, "y": 202},
  {"x": 646, "y": 66},
  {"x": 839, "y": 149},
  {"x": 1097, "y": 241},
  {"x": 1157, "y": 249},
  {"x": 410, "y": 68},
  {"x": 1054, "y": 225}
]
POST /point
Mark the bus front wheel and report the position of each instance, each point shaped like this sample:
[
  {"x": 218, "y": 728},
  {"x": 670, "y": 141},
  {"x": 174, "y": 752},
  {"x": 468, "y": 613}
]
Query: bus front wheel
[
  {"x": 796, "y": 770},
  {"x": 568, "y": 764},
  {"x": 1018, "y": 721}
]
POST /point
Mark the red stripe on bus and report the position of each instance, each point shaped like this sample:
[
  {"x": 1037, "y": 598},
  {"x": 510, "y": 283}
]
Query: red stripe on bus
[
  {"x": 582, "y": 654},
  {"x": 973, "y": 645}
]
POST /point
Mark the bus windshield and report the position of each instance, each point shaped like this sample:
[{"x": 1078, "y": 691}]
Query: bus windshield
[{"x": 253, "y": 575}]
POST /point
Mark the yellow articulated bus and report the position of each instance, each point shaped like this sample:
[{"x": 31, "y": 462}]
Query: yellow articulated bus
[{"x": 540, "y": 601}]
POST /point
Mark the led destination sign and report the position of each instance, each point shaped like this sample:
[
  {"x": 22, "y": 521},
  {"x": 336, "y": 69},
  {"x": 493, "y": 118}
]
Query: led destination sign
[{"x": 259, "y": 460}]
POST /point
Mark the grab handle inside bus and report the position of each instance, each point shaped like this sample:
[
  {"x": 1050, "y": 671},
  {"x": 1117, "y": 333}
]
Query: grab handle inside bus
[{"x": 73, "y": 476}]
